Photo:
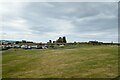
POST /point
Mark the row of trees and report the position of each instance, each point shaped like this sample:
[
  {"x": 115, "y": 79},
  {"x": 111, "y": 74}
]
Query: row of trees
[{"x": 59, "y": 40}]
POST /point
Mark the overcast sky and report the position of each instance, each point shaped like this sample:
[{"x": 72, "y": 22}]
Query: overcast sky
[{"x": 42, "y": 21}]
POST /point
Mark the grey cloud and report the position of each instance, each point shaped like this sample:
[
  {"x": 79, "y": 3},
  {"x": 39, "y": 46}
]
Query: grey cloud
[
  {"x": 97, "y": 25},
  {"x": 38, "y": 12},
  {"x": 85, "y": 17}
]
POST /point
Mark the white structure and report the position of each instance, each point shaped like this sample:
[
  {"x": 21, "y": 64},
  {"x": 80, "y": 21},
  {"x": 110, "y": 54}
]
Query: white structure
[
  {"x": 24, "y": 46},
  {"x": 16, "y": 46},
  {"x": 61, "y": 45},
  {"x": 29, "y": 47},
  {"x": 34, "y": 46}
]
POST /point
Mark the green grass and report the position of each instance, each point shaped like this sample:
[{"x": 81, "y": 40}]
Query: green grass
[{"x": 81, "y": 62}]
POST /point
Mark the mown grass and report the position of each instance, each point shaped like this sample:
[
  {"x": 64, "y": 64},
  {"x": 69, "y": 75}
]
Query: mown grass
[{"x": 82, "y": 62}]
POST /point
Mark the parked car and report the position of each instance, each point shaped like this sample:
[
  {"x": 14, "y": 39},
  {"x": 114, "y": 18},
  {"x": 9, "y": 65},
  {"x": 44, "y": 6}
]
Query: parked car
[
  {"x": 16, "y": 46},
  {"x": 3, "y": 47},
  {"x": 45, "y": 47},
  {"x": 34, "y": 46},
  {"x": 24, "y": 46},
  {"x": 61, "y": 45}
]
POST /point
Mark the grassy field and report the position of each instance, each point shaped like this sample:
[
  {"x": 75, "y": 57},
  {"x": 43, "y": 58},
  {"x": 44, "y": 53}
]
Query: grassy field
[{"x": 82, "y": 62}]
